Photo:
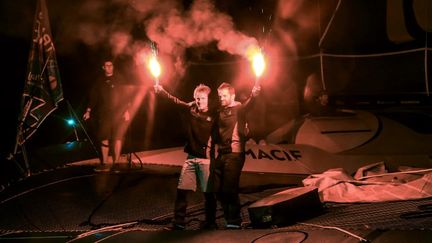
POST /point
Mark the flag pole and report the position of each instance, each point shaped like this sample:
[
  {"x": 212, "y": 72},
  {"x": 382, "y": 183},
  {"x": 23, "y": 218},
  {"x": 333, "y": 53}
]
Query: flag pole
[
  {"x": 26, "y": 162},
  {"x": 27, "y": 170},
  {"x": 19, "y": 138},
  {"x": 14, "y": 158}
]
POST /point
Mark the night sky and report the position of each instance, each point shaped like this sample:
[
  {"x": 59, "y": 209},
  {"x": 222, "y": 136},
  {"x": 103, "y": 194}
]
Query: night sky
[{"x": 200, "y": 42}]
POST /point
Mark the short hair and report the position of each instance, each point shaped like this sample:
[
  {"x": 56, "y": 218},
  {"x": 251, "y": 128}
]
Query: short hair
[
  {"x": 106, "y": 58},
  {"x": 202, "y": 88},
  {"x": 227, "y": 86}
]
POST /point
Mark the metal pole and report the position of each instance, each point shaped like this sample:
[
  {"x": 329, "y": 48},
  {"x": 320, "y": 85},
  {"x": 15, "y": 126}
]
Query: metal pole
[{"x": 71, "y": 110}]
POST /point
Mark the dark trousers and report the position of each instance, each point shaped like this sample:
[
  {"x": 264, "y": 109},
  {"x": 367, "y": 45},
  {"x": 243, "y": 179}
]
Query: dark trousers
[
  {"x": 226, "y": 177},
  {"x": 180, "y": 207},
  {"x": 210, "y": 207}
]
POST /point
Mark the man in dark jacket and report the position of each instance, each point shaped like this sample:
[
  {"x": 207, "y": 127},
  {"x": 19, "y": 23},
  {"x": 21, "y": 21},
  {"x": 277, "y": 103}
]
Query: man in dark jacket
[
  {"x": 230, "y": 138},
  {"x": 199, "y": 122}
]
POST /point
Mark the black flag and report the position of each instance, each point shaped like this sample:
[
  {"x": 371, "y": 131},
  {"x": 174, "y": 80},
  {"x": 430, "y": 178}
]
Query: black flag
[{"x": 42, "y": 89}]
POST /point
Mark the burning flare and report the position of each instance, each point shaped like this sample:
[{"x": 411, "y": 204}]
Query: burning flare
[
  {"x": 154, "y": 67},
  {"x": 256, "y": 58}
]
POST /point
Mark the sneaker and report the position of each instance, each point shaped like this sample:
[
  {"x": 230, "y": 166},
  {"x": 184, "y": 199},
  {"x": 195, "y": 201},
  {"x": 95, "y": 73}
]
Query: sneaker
[
  {"x": 102, "y": 168},
  {"x": 208, "y": 225},
  {"x": 115, "y": 168},
  {"x": 175, "y": 227},
  {"x": 232, "y": 226}
]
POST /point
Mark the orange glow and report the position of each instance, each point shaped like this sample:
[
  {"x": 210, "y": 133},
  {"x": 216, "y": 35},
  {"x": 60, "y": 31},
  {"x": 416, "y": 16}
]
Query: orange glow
[
  {"x": 258, "y": 64},
  {"x": 256, "y": 57},
  {"x": 154, "y": 67}
]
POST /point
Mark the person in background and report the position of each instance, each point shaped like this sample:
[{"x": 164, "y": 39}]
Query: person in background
[
  {"x": 110, "y": 109},
  {"x": 199, "y": 121},
  {"x": 230, "y": 135}
]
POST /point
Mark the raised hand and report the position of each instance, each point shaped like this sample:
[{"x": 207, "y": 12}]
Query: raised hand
[
  {"x": 157, "y": 88},
  {"x": 256, "y": 90}
]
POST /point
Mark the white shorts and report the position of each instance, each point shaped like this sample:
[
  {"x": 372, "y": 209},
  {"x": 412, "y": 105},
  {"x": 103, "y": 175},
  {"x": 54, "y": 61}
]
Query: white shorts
[{"x": 194, "y": 171}]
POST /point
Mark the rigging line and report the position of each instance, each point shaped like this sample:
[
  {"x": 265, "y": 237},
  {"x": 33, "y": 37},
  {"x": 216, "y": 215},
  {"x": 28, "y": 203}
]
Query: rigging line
[
  {"x": 319, "y": 17},
  {"x": 426, "y": 58},
  {"x": 107, "y": 228},
  {"x": 71, "y": 110},
  {"x": 322, "y": 70},
  {"x": 305, "y": 234},
  {"x": 122, "y": 231},
  {"x": 102, "y": 202},
  {"x": 426, "y": 70},
  {"x": 396, "y": 173},
  {"x": 9, "y": 232},
  {"x": 43, "y": 186},
  {"x": 321, "y": 54},
  {"x": 330, "y": 22},
  {"x": 47, "y": 60},
  {"x": 361, "y": 239},
  {"x": 378, "y": 54}
]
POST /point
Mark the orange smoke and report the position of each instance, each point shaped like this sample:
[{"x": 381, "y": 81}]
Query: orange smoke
[{"x": 175, "y": 30}]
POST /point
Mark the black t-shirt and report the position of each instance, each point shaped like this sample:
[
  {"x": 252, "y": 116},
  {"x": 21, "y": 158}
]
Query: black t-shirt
[{"x": 107, "y": 98}]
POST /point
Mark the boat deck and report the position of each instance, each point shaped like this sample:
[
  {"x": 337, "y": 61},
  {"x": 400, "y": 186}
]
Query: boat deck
[{"x": 76, "y": 204}]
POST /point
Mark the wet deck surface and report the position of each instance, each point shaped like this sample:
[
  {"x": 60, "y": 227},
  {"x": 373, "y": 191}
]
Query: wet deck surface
[{"x": 135, "y": 205}]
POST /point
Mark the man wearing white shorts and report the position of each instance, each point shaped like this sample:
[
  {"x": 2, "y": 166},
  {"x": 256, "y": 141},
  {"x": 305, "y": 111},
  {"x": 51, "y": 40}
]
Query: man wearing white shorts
[{"x": 199, "y": 121}]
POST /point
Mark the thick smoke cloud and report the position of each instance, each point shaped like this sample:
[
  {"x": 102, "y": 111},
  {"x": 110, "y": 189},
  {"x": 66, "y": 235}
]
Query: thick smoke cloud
[
  {"x": 198, "y": 26},
  {"x": 172, "y": 26},
  {"x": 174, "y": 30}
]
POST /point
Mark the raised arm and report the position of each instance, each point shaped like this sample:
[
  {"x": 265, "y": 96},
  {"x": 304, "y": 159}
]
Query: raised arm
[
  {"x": 249, "y": 102},
  {"x": 161, "y": 91}
]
